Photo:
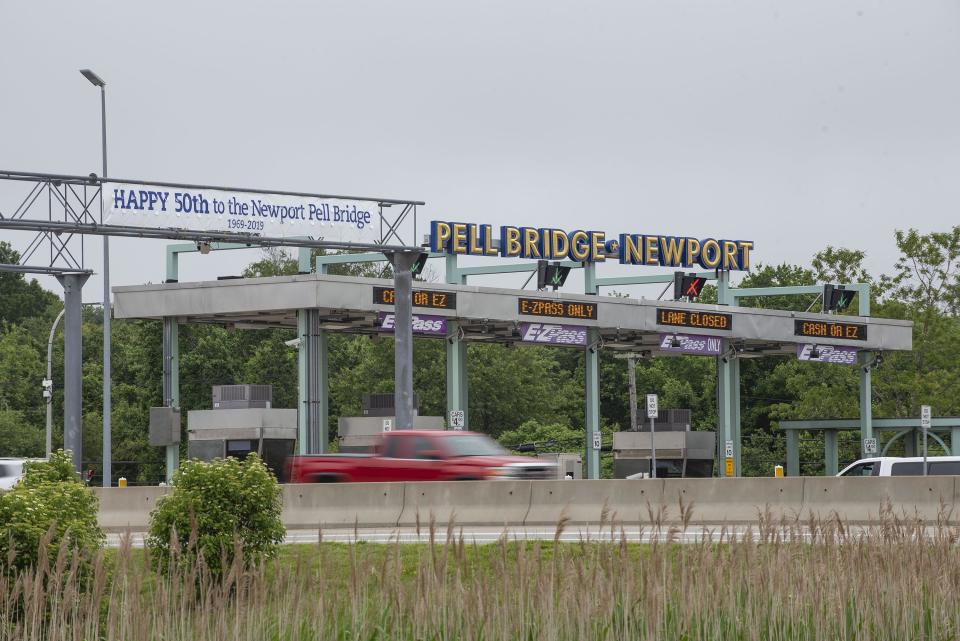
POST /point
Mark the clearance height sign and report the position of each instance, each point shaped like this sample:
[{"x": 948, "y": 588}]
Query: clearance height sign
[{"x": 589, "y": 246}]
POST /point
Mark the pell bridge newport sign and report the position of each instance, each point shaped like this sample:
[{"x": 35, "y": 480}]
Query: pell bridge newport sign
[{"x": 357, "y": 305}]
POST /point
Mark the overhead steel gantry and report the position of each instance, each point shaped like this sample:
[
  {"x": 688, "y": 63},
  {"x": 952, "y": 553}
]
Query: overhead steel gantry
[{"x": 318, "y": 302}]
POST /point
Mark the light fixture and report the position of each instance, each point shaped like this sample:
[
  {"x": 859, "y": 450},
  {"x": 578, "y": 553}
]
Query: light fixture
[
  {"x": 203, "y": 247},
  {"x": 814, "y": 353},
  {"x": 93, "y": 78},
  {"x": 675, "y": 342}
]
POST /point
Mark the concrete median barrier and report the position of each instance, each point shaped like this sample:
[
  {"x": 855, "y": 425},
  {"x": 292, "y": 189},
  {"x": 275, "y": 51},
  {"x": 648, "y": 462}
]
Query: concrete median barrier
[
  {"x": 859, "y": 499},
  {"x": 467, "y": 502},
  {"x": 307, "y": 506},
  {"x": 582, "y": 502},
  {"x": 741, "y": 500},
  {"x": 127, "y": 508}
]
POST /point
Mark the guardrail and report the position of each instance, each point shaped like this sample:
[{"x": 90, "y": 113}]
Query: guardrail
[{"x": 517, "y": 503}]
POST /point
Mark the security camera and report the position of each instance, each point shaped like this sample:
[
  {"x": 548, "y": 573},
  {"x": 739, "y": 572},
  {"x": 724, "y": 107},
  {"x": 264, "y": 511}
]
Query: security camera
[{"x": 294, "y": 343}]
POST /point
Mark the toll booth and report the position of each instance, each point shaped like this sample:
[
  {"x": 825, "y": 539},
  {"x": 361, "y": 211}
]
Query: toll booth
[
  {"x": 680, "y": 451},
  {"x": 243, "y": 421}
]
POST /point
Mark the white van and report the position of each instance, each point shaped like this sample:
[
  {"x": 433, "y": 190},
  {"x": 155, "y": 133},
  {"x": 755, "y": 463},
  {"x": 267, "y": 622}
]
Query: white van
[{"x": 899, "y": 466}]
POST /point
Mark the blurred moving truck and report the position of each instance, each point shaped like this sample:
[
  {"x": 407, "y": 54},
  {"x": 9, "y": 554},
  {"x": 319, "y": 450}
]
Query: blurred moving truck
[{"x": 421, "y": 455}]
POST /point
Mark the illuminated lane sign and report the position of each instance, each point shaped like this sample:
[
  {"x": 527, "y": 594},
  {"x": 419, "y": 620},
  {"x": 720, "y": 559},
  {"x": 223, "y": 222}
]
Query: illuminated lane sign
[
  {"x": 557, "y": 308},
  {"x": 421, "y": 298},
  {"x": 589, "y": 246},
  {"x": 829, "y": 329},
  {"x": 698, "y": 319}
]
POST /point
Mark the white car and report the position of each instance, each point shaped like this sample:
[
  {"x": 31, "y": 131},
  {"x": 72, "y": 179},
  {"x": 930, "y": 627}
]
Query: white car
[
  {"x": 11, "y": 471},
  {"x": 899, "y": 466}
]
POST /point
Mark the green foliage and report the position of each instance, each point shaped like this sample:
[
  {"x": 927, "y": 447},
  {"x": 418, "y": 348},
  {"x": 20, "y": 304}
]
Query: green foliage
[
  {"x": 59, "y": 469},
  {"x": 21, "y": 299},
  {"x": 49, "y": 507},
  {"x": 214, "y": 506},
  {"x": 552, "y": 437}
]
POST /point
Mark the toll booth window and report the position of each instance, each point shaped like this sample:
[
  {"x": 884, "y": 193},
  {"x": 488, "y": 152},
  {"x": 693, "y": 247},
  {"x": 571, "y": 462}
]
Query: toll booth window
[
  {"x": 944, "y": 468},
  {"x": 240, "y": 449},
  {"x": 275, "y": 453},
  {"x": 699, "y": 469},
  {"x": 669, "y": 469}
]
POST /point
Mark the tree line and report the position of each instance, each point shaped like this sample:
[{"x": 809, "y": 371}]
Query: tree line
[{"x": 517, "y": 395}]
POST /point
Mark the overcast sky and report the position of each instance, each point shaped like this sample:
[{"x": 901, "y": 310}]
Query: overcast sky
[{"x": 792, "y": 124}]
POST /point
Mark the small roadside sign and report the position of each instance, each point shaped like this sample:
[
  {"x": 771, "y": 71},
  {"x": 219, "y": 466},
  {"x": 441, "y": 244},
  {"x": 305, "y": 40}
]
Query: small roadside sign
[
  {"x": 596, "y": 440},
  {"x": 457, "y": 419},
  {"x": 652, "y": 402},
  {"x": 869, "y": 446},
  {"x": 728, "y": 449},
  {"x": 729, "y": 466},
  {"x": 387, "y": 424},
  {"x": 924, "y": 417}
]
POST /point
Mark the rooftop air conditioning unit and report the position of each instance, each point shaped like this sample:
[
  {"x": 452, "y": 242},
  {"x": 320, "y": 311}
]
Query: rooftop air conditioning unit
[
  {"x": 382, "y": 405},
  {"x": 231, "y": 397}
]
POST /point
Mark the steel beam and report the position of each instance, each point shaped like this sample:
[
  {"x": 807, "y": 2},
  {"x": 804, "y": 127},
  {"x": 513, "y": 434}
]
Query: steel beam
[
  {"x": 793, "y": 453},
  {"x": 403, "y": 336},
  {"x": 73, "y": 366},
  {"x": 171, "y": 385},
  {"x": 830, "y": 456}
]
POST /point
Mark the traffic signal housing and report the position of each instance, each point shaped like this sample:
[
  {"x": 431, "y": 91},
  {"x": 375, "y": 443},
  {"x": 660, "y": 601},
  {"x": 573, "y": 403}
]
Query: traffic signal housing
[
  {"x": 687, "y": 286},
  {"x": 836, "y": 298},
  {"x": 419, "y": 264},
  {"x": 551, "y": 275}
]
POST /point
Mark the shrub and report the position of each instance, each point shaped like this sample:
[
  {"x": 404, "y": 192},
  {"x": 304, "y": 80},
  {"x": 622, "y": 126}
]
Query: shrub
[
  {"x": 49, "y": 499},
  {"x": 214, "y": 506}
]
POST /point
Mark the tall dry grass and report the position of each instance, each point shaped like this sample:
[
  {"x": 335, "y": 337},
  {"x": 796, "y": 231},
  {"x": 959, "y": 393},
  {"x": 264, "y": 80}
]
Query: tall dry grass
[{"x": 818, "y": 579}]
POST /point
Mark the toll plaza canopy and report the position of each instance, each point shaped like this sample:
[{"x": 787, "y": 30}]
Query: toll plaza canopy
[
  {"x": 354, "y": 305},
  {"x": 315, "y": 303}
]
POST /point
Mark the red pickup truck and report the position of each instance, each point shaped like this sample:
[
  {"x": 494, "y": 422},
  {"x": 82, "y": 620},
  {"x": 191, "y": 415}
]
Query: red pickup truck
[{"x": 415, "y": 455}]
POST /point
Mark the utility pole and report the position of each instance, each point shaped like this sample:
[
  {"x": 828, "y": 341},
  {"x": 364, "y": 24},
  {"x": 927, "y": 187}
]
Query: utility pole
[
  {"x": 632, "y": 379},
  {"x": 97, "y": 81}
]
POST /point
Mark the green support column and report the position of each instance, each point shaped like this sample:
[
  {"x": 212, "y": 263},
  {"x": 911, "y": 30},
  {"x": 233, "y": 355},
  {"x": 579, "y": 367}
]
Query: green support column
[
  {"x": 735, "y": 414},
  {"x": 955, "y": 441},
  {"x": 793, "y": 453},
  {"x": 830, "y": 452},
  {"x": 864, "y": 361},
  {"x": 592, "y": 403},
  {"x": 591, "y": 382},
  {"x": 456, "y": 372},
  {"x": 728, "y": 388},
  {"x": 457, "y": 385}
]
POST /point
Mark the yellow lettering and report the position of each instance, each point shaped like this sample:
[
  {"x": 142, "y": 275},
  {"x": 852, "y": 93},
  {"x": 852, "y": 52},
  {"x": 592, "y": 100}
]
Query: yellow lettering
[
  {"x": 441, "y": 235},
  {"x": 579, "y": 246},
  {"x": 530, "y": 237},
  {"x": 459, "y": 239},
  {"x": 730, "y": 255},
  {"x": 693, "y": 251},
  {"x": 651, "y": 251},
  {"x": 486, "y": 238},
  {"x": 510, "y": 242},
  {"x": 745, "y": 247},
  {"x": 710, "y": 254},
  {"x": 598, "y": 246},
  {"x": 671, "y": 249},
  {"x": 559, "y": 244}
]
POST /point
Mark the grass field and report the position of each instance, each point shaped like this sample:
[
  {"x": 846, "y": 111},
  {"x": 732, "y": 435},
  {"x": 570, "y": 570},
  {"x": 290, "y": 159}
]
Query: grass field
[{"x": 896, "y": 582}]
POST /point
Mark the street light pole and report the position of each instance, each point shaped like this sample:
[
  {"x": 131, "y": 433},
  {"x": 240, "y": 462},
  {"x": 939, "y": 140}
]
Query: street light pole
[
  {"x": 96, "y": 81},
  {"x": 53, "y": 331}
]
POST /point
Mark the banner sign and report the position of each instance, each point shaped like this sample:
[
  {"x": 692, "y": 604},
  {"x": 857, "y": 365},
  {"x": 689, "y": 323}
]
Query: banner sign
[
  {"x": 690, "y": 344},
  {"x": 422, "y": 324},
  {"x": 836, "y": 354},
  {"x": 545, "y": 334},
  {"x": 589, "y": 246},
  {"x": 261, "y": 214}
]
